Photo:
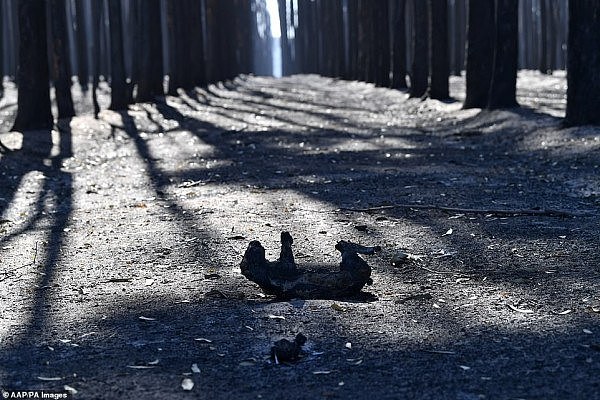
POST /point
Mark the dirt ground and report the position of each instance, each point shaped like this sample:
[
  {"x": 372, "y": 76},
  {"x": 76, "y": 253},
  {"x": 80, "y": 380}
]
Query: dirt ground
[{"x": 120, "y": 243}]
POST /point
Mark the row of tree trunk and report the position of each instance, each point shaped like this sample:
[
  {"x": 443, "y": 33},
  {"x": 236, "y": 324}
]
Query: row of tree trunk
[
  {"x": 205, "y": 41},
  {"x": 195, "y": 42}
]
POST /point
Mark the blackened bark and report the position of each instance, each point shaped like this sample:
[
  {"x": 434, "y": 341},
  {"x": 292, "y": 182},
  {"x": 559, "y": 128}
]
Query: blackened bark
[
  {"x": 420, "y": 66},
  {"x": 552, "y": 38},
  {"x": 2, "y": 51},
  {"x": 81, "y": 41},
  {"x": 480, "y": 53},
  {"x": 583, "y": 63},
  {"x": 283, "y": 40},
  {"x": 118, "y": 82},
  {"x": 399, "y": 45},
  {"x": 132, "y": 47},
  {"x": 196, "y": 50},
  {"x": 150, "y": 82},
  {"x": 96, "y": 31},
  {"x": 503, "y": 87},
  {"x": 179, "y": 22},
  {"x": 33, "y": 103},
  {"x": 543, "y": 67},
  {"x": 459, "y": 37},
  {"x": 438, "y": 87},
  {"x": 351, "y": 72},
  {"x": 60, "y": 59},
  {"x": 382, "y": 50}
]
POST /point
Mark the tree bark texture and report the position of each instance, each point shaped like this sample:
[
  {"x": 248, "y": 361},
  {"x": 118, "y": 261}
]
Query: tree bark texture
[
  {"x": 420, "y": 66},
  {"x": 583, "y": 63},
  {"x": 33, "y": 99},
  {"x": 440, "y": 65},
  {"x": 118, "y": 82},
  {"x": 399, "y": 45},
  {"x": 480, "y": 53},
  {"x": 60, "y": 59},
  {"x": 81, "y": 41},
  {"x": 503, "y": 86},
  {"x": 150, "y": 82}
]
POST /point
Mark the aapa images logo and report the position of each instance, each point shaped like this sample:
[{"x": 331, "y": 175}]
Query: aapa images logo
[
  {"x": 33, "y": 394},
  {"x": 14, "y": 394}
]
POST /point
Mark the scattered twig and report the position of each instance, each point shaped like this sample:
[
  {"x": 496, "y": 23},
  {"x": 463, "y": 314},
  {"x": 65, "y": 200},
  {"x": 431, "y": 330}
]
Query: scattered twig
[
  {"x": 35, "y": 253},
  {"x": 8, "y": 274},
  {"x": 492, "y": 211}
]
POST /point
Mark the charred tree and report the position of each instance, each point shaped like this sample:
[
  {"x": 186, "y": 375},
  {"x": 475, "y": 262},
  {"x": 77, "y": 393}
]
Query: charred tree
[
  {"x": 150, "y": 83},
  {"x": 544, "y": 35},
  {"x": 480, "y": 53},
  {"x": 438, "y": 86},
  {"x": 284, "y": 44},
  {"x": 420, "y": 66},
  {"x": 118, "y": 80},
  {"x": 399, "y": 45},
  {"x": 196, "y": 43},
  {"x": 503, "y": 85},
  {"x": 2, "y": 51},
  {"x": 583, "y": 63},
  {"x": 81, "y": 41},
  {"x": 351, "y": 23},
  {"x": 33, "y": 99},
  {"x": 459, "y": 37},
  {"x": 61, "y": 72},
  {"x": 382, "y": 49},
  {"x": 96, "y": 11}
]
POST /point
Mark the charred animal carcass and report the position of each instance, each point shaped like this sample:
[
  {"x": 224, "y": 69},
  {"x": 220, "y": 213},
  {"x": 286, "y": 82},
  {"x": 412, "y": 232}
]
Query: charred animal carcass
[{"x": 284, "y": 279}]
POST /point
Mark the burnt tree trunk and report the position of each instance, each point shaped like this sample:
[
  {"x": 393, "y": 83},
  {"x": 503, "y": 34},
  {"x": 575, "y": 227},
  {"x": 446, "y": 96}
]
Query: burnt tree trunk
[
  {"x": 583, "y": 63},
  {"x": 150, "y": 82},
  {"x": 60, "y": 59},
  {"x": 118, "y": 80},
  {"x": 459, "y": 37},
  {"x": 196, "y": 43},
  {"x": 382, "y": 39},
  {"x": 420, "y": 66},
  {"x": 96, "y": 11},
  {"x": 132, "y": 47},
  {"x": 480, "y": 53},
  {"x": 33, "y": 99},
  {"x": 503, "y": 85},
  {"x": 81, "y": 42},
  {"x": 283, "y": 40},
  {"x": 440, "y": 65},
  {"x": 1, "y": 50},
  {"x": 543, "y": 65},
  {"x": 399, "y": 45}
]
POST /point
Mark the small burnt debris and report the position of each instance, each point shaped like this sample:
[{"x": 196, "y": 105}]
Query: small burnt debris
[{"x": 286, "y": 350}]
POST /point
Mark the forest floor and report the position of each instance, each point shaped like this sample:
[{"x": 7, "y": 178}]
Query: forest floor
[{"x": 121, "y": 238}]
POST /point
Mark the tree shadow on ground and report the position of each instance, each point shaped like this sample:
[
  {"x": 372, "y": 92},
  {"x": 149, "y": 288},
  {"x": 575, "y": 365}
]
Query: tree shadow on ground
[{"x": 431, "y": 355}]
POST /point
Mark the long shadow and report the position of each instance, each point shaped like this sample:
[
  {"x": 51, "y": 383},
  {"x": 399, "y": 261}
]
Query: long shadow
[
  {"x": 54, "y": 202},
  {"x": 417, "y": 353}
]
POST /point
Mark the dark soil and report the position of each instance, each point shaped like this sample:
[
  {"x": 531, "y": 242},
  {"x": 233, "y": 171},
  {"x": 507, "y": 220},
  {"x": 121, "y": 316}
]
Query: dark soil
[{"x": 121, "y": 240}]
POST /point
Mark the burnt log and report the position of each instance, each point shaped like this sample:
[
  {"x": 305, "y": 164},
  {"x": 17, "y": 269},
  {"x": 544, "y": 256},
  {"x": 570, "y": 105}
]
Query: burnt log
[{"x": 284, "y": 279}]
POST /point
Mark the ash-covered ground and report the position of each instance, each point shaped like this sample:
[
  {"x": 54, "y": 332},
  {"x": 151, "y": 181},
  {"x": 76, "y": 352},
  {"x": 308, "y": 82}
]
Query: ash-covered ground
[{"x": 121, "y": 237}]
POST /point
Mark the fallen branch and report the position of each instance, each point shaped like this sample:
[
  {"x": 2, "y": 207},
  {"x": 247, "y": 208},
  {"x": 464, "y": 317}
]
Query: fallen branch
[{"x": 491, "y": 211}]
